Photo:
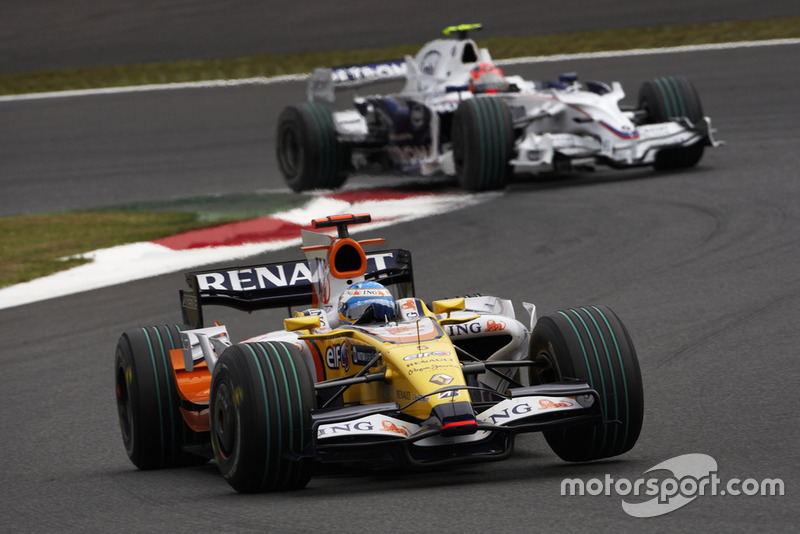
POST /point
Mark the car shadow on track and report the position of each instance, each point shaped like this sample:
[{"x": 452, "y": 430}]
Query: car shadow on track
[
  {"x": 531, "y": 460},
  {"x": 522, "y": 182},
  {"x": 588, "y": 178},
  {"x": 521, "y": 469}
]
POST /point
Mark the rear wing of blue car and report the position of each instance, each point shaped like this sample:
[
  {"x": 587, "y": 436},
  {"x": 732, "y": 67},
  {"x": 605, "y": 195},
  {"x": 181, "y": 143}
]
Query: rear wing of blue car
[{"x": 279, "y": 285}]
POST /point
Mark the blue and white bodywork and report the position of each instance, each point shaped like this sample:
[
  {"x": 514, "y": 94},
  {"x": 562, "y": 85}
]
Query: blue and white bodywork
[{"x": 532, "y": 126}]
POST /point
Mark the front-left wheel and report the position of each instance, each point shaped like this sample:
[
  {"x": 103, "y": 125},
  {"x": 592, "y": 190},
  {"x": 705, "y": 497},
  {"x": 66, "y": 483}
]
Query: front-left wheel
[
  {"x": 153, "y": 429},
  {"x": 592, "y": 344},
  {"x": 262, "y": 395},
  {"x": 309, "y": 153}
]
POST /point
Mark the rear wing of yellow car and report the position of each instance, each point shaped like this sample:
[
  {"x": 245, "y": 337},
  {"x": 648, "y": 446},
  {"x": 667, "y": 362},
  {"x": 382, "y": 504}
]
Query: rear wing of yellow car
[{"x": 278, "y": 285}]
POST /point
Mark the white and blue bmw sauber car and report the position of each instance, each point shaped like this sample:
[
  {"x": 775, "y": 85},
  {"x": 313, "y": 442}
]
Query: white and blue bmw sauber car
[{"x": 458, "y": 115}]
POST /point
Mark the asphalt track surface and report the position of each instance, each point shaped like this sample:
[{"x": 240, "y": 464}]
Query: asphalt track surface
[{"x": 701, "y": 265}]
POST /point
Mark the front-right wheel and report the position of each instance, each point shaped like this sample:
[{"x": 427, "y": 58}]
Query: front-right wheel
[
  {"x": 669, "y": 98},
  {"x": 483, "y": 143},
  {"x": 260, "y": 407},
  {"x": 591, "y": 343}
]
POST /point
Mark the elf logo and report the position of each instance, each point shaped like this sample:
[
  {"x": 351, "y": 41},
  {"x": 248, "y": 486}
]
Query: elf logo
[{"x": 338, "y": 356}]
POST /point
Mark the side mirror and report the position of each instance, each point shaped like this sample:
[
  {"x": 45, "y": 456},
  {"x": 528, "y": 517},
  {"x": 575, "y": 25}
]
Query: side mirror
[{"x": 305, "y": 322}]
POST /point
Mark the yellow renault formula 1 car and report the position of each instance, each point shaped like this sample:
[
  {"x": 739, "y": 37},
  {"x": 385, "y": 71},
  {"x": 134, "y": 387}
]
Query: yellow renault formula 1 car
[{"x": 368, "y": 373}]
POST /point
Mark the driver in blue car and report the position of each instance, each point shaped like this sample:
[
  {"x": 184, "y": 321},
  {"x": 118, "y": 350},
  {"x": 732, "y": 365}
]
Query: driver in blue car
[{"x": 485, "y": 78}]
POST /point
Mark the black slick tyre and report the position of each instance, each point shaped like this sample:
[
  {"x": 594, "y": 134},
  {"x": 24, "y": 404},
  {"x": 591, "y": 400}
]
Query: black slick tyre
[
  {"x": 153, "y": 429},
  {"x": 591, "y": 343},
  {"x": 262, "y": 395},
  {"x": 669, "y": 98},
  {"x": 309, "y": 153},
  {"x": 482, "y": 135}
]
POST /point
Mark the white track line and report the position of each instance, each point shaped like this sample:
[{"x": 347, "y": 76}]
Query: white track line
[{"x": 303, "y": 77}]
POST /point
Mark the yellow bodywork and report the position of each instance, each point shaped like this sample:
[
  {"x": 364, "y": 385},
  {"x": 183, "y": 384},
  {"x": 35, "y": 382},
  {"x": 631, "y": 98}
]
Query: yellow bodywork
[{"x": 417, "y": 357}]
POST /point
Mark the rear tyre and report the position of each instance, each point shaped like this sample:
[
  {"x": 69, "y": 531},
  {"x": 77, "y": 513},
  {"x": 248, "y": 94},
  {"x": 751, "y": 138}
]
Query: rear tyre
[
  {"x": 668, "y": 98},
  {"x": 262, "y": 395},
  {"x": 153, "y": 429},
  {"x": 592, "y": 344},
  {"x": 310, "y": 155},
  {"x": 483, "y": 143}
]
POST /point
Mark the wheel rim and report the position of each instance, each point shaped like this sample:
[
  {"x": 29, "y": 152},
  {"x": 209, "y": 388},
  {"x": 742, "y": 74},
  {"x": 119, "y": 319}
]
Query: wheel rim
[
  {"x": 290, "y": 150},
  {"x": 545, "y": 370},
  {"x": 459, "y": 139},
  {"x": 124, "y": 407},
  {"x": 225, "y": 423}
]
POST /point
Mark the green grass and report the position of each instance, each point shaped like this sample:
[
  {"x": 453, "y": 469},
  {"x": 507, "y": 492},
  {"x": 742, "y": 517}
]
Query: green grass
[
  {"x": 500, "y": 48},
  {"x": 32, "y": 246}
]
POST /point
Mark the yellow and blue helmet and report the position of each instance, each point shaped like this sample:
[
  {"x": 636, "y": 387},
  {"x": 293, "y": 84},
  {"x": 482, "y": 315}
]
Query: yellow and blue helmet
[{"x": 366, "y": 302}]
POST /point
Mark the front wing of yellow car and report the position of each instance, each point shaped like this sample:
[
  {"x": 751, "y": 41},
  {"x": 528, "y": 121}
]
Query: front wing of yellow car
[{"x": 380, "y": 433}]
